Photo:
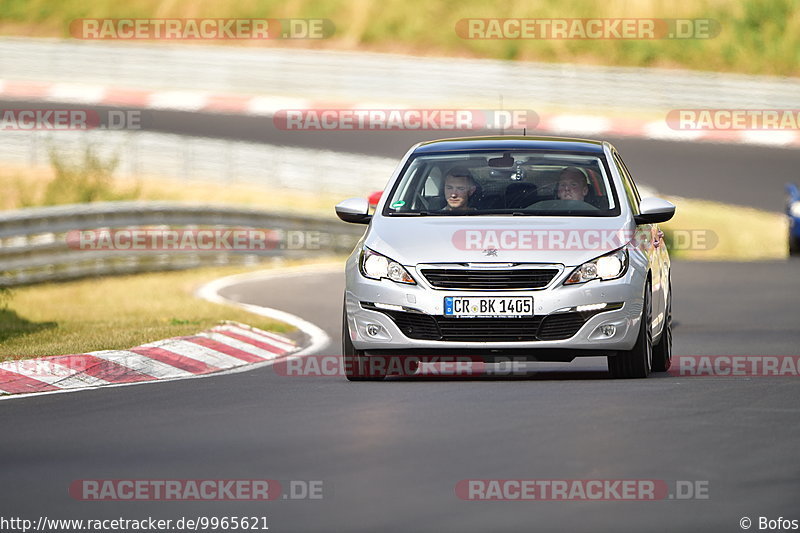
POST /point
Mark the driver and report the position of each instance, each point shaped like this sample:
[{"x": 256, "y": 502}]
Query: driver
[
  {"x": 573, "y": 184},
  {"x": 459, "y": 186}
]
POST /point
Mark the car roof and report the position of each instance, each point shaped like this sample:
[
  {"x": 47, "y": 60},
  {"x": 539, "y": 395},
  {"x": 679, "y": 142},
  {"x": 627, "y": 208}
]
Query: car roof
[{"x": 509, "y": 142}]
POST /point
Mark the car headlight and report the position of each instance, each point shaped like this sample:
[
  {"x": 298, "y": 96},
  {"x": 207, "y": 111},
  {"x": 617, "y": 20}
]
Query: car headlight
[
  {"x": 794, "y": 209},
  {"x": 605, "y": 267},
  {"x": 377, "y": 266}
]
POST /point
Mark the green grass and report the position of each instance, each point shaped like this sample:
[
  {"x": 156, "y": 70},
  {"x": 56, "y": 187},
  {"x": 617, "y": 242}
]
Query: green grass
[
  {"x": 114, "y": 313},
  {"x": 756, "y": 37},
  {"x": 713, "y": 231}
]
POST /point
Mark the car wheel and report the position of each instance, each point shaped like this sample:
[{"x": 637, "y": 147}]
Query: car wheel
[
  {"x": 662, "y": 352},
  {"x": 638, "y": 362},
  {"x": 356, "y": 364}
]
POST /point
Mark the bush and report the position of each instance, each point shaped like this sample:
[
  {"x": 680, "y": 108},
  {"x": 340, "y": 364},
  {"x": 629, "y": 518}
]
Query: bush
[{"x": 88, "y": 180}]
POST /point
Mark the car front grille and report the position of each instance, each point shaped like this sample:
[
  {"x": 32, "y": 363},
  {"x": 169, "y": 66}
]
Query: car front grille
[
  {"x": 488, "y": 329},
  {"x": 490, "y": 279},
  {"x": 558, "y": 326},
  {"x": 439, "y": 328}
]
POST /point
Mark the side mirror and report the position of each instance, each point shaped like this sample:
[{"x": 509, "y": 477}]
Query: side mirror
[
  {"x": 355, "y": 210},
  {"x": 654, "y": 210}
]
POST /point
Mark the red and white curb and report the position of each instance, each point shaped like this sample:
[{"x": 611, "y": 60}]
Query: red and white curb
[
  {"x": 265, "y": 105},
  {"x": 316, "y": 338},
  {"x": 225, "y": 347}
]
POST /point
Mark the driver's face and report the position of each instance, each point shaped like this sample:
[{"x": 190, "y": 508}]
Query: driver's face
[
  {"x": 571, "y": 188},
  {"x": 457, "y": 191}
]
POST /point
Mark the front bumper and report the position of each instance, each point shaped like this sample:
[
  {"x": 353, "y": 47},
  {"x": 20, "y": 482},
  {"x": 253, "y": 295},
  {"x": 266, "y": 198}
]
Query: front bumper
[{"x": 376, "y": 330}]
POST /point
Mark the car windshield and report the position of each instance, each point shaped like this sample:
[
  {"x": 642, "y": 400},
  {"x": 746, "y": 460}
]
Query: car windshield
[{"x": 519, "y": 183}]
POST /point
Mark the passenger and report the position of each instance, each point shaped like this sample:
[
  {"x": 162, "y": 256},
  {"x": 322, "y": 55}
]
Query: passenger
[
  {"x": 573, "y": 184},
  {"x": 459, "y": 186}
]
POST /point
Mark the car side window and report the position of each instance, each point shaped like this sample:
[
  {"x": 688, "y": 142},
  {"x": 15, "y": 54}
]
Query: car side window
[
  {"x": 429, "y": 189},
  {"x": 627, "y": 183}
]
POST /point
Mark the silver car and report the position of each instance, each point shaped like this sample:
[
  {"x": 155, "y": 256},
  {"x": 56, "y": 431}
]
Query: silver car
[{"x": 508, "y": 248}]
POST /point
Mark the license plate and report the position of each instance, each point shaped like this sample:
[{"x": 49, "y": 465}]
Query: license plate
[{"x": 479, "y": 306}]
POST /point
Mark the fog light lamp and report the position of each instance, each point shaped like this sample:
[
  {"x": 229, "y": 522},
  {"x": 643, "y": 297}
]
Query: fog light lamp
[
  {"x": 373, "y": 330},
  {"x": 608, "y": 330}
]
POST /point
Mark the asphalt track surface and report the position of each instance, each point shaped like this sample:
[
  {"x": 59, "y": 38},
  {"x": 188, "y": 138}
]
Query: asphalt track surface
[
  {"x": 390, "y": 454},
  {"x": 748, "y": 175}
]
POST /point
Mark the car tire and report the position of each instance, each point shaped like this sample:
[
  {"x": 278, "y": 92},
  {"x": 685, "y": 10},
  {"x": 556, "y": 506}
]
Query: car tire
[
  {"x": 638, "y": 362},
  {"x": 662, "y": 352},
  {"x": 356, "y": 364}
]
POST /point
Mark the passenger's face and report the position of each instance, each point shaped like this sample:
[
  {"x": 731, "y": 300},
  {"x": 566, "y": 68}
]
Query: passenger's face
[
  {"x": 571, "y": 187},
  {"x": 457, "y": 191}
]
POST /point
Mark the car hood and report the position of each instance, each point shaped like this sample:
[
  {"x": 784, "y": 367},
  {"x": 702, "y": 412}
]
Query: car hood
[{"x": 569, "y": 241}]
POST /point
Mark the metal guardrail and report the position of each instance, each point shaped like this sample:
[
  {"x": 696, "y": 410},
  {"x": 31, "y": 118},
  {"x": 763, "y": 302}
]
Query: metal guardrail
[
  {"x": 34, "y": 246},
  {"x": 221, "y": 161},
  {"x": 387, "y": 78}
]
